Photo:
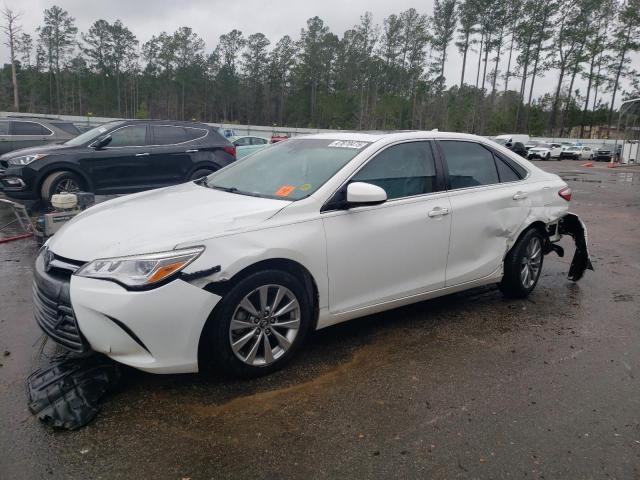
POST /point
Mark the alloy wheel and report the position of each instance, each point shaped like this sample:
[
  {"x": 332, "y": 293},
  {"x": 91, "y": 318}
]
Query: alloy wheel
[
  {"x": 264, "y": 325},
  {"x": 531, "y": 262},
  {"x": 67, "y": 185}
]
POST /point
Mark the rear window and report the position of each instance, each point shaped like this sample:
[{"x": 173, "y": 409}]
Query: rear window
[
  {"x": 469, "y": 164},
  {"x": 29, "y": 128},
  {"x": 67, "y": 127}
]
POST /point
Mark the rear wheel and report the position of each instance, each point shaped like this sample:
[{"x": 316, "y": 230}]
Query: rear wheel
[
  {"x": 59, "y": 182},
  {"x": 258, "y": 325},
  {"x": 522, "y": 265}
]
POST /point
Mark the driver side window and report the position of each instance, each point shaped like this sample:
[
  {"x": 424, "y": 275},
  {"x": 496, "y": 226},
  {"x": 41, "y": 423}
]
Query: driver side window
[
  {"x": 130, "y": 136},
  {"x": 402, "y": 170}
]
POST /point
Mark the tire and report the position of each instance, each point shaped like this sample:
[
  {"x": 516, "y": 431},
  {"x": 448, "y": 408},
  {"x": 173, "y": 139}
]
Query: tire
[
  {"x": 249, "y": 358},
  {"x": 515, "y": 282},
  {"x": 203, "y": 172},
  {"x": 548, "y": 157},
  {"x": 58, "y": 182}
]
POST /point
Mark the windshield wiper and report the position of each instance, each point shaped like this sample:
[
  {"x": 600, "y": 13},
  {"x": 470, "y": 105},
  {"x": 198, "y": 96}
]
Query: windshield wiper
[{"x": 224, "y": 189}]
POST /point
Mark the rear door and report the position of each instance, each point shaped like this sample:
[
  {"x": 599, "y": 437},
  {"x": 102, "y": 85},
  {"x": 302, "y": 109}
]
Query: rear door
[
  {"x": 489, "y": 204},
  {"x": 25, "y": 134},
  {"x": 124, "y": 165},
  {"x": 173, "y": 147}
]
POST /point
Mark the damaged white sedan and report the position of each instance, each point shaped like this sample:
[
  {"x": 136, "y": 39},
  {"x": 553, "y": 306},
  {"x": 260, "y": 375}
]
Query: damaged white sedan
[{"x": 236, "y": 269}]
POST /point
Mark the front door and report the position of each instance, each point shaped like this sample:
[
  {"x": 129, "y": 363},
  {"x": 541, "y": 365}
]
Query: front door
[
  {"x": 124, "y": 165},
  {"x": 393, "y": 250},
  {"x": 171, "y": 153}
]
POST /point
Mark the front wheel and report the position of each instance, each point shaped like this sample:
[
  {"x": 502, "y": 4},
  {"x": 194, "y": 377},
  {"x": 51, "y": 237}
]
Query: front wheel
[
  {"x": 59, "y": 182},
  {"x": 548, "y": 157},
  {"x": 522, "y": 265},
  {"x": 203, "y": 172},
  {"x": 258, "y": 325}
]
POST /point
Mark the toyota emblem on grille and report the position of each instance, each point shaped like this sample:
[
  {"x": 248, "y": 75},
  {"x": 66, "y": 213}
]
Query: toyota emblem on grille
[{"x": 48, "y": 258}]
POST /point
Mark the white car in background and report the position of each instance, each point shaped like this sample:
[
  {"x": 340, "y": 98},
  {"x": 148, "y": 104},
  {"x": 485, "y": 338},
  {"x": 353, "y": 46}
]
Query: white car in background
[
  {"x": 545, "y": 151},
  {"x": 236, "y": 269},
  {"x": 247, "y": 145}
]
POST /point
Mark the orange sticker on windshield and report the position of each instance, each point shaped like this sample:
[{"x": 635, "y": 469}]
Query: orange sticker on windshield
[{"x": 285, "y": 190}]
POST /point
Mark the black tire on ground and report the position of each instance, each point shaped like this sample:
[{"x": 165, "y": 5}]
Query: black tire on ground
[
  {"x": 548, "y": 157},
  {"x": 513, "y": 284},
  {"x": 58, "y": 182},
  {"x": 216, "y": 351},
  {"x": 203, "y": 172}
]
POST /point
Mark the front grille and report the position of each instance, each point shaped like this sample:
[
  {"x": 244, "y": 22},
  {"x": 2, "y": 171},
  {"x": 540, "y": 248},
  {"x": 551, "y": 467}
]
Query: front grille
[{"x": 57, "y": 320}]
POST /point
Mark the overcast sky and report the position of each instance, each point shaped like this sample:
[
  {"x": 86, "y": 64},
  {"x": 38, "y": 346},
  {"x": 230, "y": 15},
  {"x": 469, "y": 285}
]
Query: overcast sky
[{"x": 274, "y": 18}]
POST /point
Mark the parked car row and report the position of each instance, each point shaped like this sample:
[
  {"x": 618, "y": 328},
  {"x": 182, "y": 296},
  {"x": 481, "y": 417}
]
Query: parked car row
[{"x": 527, "y": 148}]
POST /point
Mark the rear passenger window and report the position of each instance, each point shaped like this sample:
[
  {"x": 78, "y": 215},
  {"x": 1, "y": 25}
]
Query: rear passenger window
[
  {"x": 67, "y": 127},
  {"x": 29, "y": 128},
  {"x": 469, "y": 164},
  {"x": 505, "y": 171},
  {"x": 258, "y": 141},
  {"x": 402, "y": 170},
  {"x": 4, "y": 128},
  {"x": 168, "y": 135}
]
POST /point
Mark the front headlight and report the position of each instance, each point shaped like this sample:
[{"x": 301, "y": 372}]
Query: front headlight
[
  {"x": 139, "y": 271},
  {"x": 26, "y": 159}
]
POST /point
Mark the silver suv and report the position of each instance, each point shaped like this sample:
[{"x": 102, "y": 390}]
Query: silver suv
[{"x": 24, "y": 132}]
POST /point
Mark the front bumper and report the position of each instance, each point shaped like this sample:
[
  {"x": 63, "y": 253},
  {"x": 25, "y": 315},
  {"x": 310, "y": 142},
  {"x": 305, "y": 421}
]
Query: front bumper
[
  {"x": 153, "y": 330},
  {"x": 532, "y": 155},
  {"x": 19, "y": 182}
]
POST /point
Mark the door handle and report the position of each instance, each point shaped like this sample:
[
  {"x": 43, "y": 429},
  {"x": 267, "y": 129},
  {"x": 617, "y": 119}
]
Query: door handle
[
  {"x": 145, "y": 154},
  {"x": 191, "y": 150},
  {"x": 438, "y": 212},
  {"x": 520, "y": 196}
]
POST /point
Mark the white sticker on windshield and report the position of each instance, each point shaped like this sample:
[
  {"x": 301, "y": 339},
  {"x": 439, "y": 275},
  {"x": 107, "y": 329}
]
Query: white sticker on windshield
[{"x": 348, "y": 144}]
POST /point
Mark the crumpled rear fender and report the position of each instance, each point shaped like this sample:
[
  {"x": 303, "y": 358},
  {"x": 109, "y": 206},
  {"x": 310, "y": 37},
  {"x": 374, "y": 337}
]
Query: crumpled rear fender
[{"x": 570, "y": 224}]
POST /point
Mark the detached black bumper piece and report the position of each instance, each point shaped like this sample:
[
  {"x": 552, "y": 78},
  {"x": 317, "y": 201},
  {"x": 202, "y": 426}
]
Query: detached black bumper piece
[
  {"x": 65, "y": 393},
  {"x": 571, "y": 225}
]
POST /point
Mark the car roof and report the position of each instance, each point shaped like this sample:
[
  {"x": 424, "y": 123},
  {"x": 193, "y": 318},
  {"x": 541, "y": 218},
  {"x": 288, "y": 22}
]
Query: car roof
[{"x": 391, "y": 136}]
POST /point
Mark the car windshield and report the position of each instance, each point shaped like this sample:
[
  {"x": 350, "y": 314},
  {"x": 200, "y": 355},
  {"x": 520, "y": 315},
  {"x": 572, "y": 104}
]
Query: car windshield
[
  {"x": 573, "y": 148},
  {"x": 604, "y": 147},
  {"x": 501, "y": 141},
  {"x": 289, "y": 170},
  {"x": 543, "y": 145},
  {"x": 92, "y": 134}
]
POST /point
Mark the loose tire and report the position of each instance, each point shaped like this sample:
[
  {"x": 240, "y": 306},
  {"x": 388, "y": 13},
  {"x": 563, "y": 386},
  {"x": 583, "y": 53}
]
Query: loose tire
[
  {"x": 200, "y": 173},
  {"x": 258, "y": 325},
  {"x": 58, "y": 182},
  {"x": 522, "y": 265}
]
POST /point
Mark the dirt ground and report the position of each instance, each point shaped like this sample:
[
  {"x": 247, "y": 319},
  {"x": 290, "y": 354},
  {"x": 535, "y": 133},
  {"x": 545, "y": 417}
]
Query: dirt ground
[{"x": 466, "y": 386}]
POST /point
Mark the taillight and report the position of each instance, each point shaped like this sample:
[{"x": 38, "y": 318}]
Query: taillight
[
  {"x": 565, "y": 193},
  {"x": 230, "y": 150}
]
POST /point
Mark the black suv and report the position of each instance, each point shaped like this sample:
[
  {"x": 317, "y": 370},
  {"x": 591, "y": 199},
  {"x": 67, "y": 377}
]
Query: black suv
[{"x": 117, "y": 157}]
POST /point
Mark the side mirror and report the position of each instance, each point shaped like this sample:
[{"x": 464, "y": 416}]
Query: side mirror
[
  {"x": 361, "y": 193},
  {"x": 102, "y": 142}
]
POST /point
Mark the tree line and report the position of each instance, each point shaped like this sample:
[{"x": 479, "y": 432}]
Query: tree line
[{"x": 388, "y": 76}]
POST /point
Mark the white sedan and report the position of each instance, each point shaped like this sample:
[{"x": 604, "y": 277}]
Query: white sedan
[{"x": 236, "y": 269}]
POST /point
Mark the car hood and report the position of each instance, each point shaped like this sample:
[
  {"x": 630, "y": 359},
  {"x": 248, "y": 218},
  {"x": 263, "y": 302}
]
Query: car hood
[
  {"x": 158, "y": 220},
  {"x": 46, "y": 149},
  {"x": 539, "y": 149}
]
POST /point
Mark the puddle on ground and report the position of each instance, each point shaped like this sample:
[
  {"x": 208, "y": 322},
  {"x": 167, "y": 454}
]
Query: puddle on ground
[{"x": 617, "y": 178}]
